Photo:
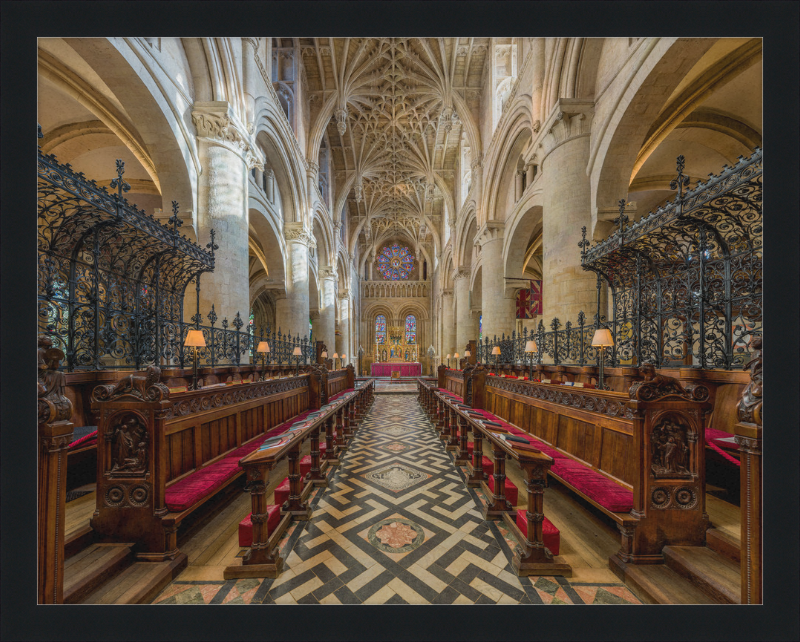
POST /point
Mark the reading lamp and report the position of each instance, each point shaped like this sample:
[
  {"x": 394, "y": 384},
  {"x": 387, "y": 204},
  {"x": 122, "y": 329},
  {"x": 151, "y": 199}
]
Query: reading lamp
[
  {"x": 530, "y": 348},
  {"x": 195, "y": 339},
  {"x": 263, "y": 348},
  {"x": 602, "y": 339}
]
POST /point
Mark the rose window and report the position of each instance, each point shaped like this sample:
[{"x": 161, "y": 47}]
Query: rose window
[{"x": 395, "y": 263}]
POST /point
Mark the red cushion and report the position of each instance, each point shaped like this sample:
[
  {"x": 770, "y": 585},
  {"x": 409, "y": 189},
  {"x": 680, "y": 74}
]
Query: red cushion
[
  {"x": 282, "y": 492},
  {"x": 488, "y": 465},
  {"x": 605, "y": 492},
  {"x": 339, "y": 394},
  {"x": 190, "y": 490},
  {"x": 511, "y": 492},
  {"x": 246, "y": 525},
  {"x": 550, "y": 534},
  {"x": 305, "y": 466},
  {"x": 712, "y": 436},
  {"x": 86, "y": 440}
]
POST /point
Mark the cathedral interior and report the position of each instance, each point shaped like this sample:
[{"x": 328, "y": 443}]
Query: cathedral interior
[{"x": 416, "y": 321}]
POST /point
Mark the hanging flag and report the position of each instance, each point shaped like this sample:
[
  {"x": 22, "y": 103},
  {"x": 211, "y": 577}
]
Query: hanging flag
[{"x": 529, "y": 301}]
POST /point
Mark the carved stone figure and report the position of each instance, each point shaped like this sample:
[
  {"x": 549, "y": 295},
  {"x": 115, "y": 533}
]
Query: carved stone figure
[
  {"x": 656, "y": 386},
  {"x": 52, "y": 403},
  {"x": 144, "y": 385}
]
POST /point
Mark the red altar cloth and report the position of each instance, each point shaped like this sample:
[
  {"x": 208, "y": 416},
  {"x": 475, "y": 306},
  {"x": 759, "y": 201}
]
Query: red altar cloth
[{"x": 406, "y": 369}]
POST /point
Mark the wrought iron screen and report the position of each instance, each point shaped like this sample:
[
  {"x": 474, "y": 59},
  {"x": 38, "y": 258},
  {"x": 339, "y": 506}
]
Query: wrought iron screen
[{"x": 685, "y": 281}]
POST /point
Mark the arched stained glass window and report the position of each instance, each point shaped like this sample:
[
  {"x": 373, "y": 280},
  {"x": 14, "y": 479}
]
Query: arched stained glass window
[
  {"x": 395, "y": 263},
  {"x": 411, "y": 329},
  {"x": 380, "y": 329}
]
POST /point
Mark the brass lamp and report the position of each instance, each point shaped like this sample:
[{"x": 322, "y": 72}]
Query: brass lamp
[
  {"x": 335, "y": 357},
  {"x": 297, "y": 352},
  {"x": 343, "y": 357},
  {"x": 602, "y": 339},
  {"x": 530, "y": 348},
  {"x": 195, "y": 339},
  {"x": 324, "y": 356},
  {"x": 448, "y": 359},
  {"x": 456, "y": 357},
  {"x": 467, "y": 355},
  {"x": 263, "y": 348},
  {"x": 495, "y": 353}
]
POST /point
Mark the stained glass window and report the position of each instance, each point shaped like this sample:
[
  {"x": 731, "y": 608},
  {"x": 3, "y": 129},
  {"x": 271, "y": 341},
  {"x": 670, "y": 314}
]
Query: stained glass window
[
  {"x": 251, "y": 326},
  {"x": 480, "y": 328},
  {"x": 380, "y": 329},
  {"x": 411, "y": 329},
  {"x": 395, "y": 263}
]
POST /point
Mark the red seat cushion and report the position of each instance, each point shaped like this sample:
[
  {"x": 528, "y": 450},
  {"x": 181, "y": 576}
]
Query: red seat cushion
[
  {"x": 86, "y": 440},
  {"x": 488, "y": 465},
  {"x": 550, "y": 534},
  {"x": 305, "y": 466},
  {"x": 713, "y": 436},
  {"x": 599, "y": 488},
  {"x": 511, "y": 492},
  {"x": 339, "y": 394},
  {"x": 246, "y": 525},
  {"x": 282, "y": 492},
  {"x": 190, "y": 490}
]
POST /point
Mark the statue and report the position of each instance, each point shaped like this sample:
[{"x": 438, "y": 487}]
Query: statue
[
  {"x": 751, "y": 402},
  {"x": 129, "y": 441},
  {"x": 52, "y": 405}
]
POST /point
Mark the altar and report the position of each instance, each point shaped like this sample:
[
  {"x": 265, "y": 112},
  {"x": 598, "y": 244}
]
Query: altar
[{"x": 406, "y": 369}]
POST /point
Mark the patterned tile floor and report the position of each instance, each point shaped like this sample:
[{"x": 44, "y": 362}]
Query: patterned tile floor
[{"x": 396, "y": 525}]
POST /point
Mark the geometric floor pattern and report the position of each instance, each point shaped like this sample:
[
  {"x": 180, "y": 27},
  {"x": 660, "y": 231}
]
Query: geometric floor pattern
[{"x": 396, "y": 525}]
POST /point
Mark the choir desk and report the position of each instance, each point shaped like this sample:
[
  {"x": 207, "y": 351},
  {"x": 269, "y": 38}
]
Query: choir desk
[{"x": 406, "y": 369}]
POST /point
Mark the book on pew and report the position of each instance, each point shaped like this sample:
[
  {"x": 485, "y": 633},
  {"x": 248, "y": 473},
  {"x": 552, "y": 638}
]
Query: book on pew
[
  {"x": 525, "y": 447},
  {"x": 492, "y": 423},
  {"x": 514, "y": 438},
  {"x": 274, "y": 442}
]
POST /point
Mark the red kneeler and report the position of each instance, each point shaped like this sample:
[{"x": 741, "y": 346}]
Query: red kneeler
[
  {"x": 550, "y": 534},
  {"x": 246, "y": 526},
  {"x": 282, "y": 493},
  {"x": 512, "y": 494}
]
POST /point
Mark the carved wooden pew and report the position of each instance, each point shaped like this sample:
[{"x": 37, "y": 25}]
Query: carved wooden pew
[
  {"x": 162, "y": 456},
  {"x": 262, "y": 560}
]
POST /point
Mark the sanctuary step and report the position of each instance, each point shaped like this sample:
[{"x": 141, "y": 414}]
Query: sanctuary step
[
  {"x": 713, "y": 573},
  {"x": 689, "y": 575},
  {"x": 724, "y": 544},
  {"x": 107, "y": 573}
]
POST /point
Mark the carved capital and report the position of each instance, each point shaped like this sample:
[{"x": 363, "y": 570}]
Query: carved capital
[
  {"x": 326, "y": 273},
  {"x": 489, "y": 232},
  {"x": 447, "y": 292},
  {"x": 297, "y": 233},
  {"x": 216, "y": 123},
  {"x": 344, "y": 294},
  {"x": 570, "y": 119},
  {"x": 462, "y": 272}
]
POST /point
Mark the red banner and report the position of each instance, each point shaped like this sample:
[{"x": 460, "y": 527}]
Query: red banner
[{"x": 529, "y": 301}]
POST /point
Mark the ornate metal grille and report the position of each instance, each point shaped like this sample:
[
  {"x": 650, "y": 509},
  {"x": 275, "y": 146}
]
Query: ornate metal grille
[
  {"x": 685, "y": 282},
  {"x": 112, "y": 279}
]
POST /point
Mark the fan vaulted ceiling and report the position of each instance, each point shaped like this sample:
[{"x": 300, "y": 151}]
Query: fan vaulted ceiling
[{"x": 399, "y": 106}]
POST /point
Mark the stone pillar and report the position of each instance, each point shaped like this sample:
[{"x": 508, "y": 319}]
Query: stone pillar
[
  {"x": 448, "y": 324},
  {"x": 326, "y": 329},
  {"x": 517, "y": 186},
  {"x": 529, "y": 170},
  {"x": 270, "y": 175},
  {"x": 498, "y": 311},
  {"x": 566, "y": 288},
  {"x": 465, "y": 324},
  {"x": 312, "y": 174},
  {"x": 293, "y": 311},
  {"x": 343, "y": 340},
  {"x": 226, "y": 152},
  {"x": 250, "y": 77}
]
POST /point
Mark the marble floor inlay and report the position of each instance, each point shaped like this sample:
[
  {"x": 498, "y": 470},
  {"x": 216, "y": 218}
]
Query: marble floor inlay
[{"x": 396, "y": 525}]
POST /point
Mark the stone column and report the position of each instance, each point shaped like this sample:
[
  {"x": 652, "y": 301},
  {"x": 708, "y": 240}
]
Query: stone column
[
  {"x": 270, "y": 175},
  {"x": 226, "y": 152},
  {"x": 250, "y": 76},
  {"x": 517, "y": 186},
  {"x": 326, "y": 329},
  {"x": 529, "y": 170},
  {"x": 498, "y": 310},
  {"x": 566, "y": 287},
  {"x": 343, "y": 340},
  {"x": 448, "y": 324},
  {"x": 465, "y": 324},
  {"x": 293, "y": 311}
]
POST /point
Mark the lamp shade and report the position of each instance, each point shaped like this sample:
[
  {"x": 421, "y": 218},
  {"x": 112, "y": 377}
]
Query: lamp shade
[
  {"x": 263, "y": 346},
  {"x": 602, "y": 337},
  {"x": 297, "y": 352},
  {"x": 496, "y": 350},
  {"x": 194, "y": 339},
  {"x": 530, "y": 346},
  {"x": 455, "y": 356},
  {"x": 448, "y": 356},
  {"x": 335, "y": 355},
  {"x": 467, "y": 354},
  {"x": 344, "y": 356},
  {"x": 324, "y": 354}
]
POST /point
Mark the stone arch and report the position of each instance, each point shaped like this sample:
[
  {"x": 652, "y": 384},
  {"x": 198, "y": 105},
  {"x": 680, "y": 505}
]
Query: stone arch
[
  {"x": 526, "y": 220},
  {"x": 616, "y": 141},
  {"x": 515, "y": 137},
  {"x": 265, "y": 235},
  {"x": 158, "y": 122}
]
